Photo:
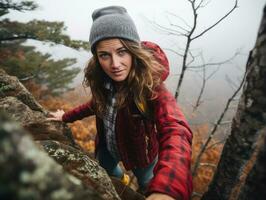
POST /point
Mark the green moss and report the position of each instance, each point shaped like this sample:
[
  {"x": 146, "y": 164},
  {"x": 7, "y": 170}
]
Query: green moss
[{"x": 5, "y": 87}]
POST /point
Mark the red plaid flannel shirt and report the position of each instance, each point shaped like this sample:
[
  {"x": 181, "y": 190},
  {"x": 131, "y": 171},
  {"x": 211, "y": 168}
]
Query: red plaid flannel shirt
[{"x": 172, "y": 173}]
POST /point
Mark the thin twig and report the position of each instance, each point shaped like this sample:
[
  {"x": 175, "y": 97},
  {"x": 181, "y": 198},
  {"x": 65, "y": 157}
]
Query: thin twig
[
  {"x": 204, "y": 80},
  {"x": 204, "y": 5},
  {"x": 199, "y": 5},
  {"x": 217, "y": 63},
  {"x": 193, "y": 58},
  {"x": 230, "y": 82},
  {"x": 27, "y": 78},
  {"x": 212, "y": 74},
  {"x": 198, "y": 102},
  {"x": 177, "y": 26},
  {"x": 184, "y": 21},
  {"x": 169, "y": 30},
  {"x": 215, "y": 144},
  {"x": 216, "y": 23},
  {"x": 173, "y": 51},
  {"x": 216, "y": 126},
  {"x": 208, "y": 165}
]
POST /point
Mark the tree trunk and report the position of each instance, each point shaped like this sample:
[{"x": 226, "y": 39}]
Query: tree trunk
[
  {"x": 249, "y": 120},
  {"x": 255, "y": 186}
]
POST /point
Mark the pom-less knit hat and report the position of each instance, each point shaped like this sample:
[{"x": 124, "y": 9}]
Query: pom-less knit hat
[{"x": 112, "y": 22}]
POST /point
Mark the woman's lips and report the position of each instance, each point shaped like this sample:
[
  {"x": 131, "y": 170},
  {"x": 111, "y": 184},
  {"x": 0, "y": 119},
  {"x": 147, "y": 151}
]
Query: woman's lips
[{"x": 118, "y": 72}]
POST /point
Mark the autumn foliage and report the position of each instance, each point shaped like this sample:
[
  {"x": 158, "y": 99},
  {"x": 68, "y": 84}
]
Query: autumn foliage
[{"x": 208, "y": 161}]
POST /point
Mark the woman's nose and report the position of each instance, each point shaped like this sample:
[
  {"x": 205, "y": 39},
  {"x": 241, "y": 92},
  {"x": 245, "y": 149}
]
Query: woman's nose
[{"x": 115, "y": 61}]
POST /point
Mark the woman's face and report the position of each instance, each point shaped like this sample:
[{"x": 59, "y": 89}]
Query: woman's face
[{"x": 114, "y": 58}]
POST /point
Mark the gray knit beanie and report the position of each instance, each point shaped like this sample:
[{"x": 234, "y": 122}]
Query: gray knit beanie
[{"x": 112, "y": 22}]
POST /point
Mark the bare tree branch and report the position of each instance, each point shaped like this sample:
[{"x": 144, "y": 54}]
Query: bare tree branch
[
  {"x": 177, "y": 26},
  {"x": 27, "y": 78},
  {"x": 192, "y": 58},
  {"x": 231, "y": 83},
  {"x": 199, "y": 5},
  {"x": 198, "y": 101},
  {"x": 173, "y": 51},
  {"x": 180, "y": 27},
  {"x": 216, "y": 23},
  {"x": 216, "y": 143},
  {"x": 168, "y": 31},
  {"x": 209, "y": 165},
  {"x": 229, "y": 60},
  {"x": 203, "y": 5},
  {"x": 204, "y": 80},
  {"x": 184, "y": 21},
  {"x": 214, "y": 72},
  {"x": 184, "y": 63},
  {"x": 188, "y": 32},
  {"x": 216, "y": 126},
  {"x": 225, "y": 122}
]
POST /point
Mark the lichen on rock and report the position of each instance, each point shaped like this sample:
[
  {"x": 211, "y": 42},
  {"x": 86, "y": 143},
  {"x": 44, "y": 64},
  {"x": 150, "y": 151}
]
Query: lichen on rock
[{"x": 27, "y": 172}]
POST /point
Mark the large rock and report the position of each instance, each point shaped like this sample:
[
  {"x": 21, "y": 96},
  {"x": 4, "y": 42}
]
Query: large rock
[
  {"x": 27, "y": 172},
  {"x": 88, "y": 170},
  {"x": 10, "y": 86},
  {"x": 82, "y": 166},
  {"x": 36, "y": 122}
]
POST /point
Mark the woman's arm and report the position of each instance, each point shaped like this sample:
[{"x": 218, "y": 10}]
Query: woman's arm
[
  {"x": 172, "y": 175},
  {"x": 77, "y": 113}
]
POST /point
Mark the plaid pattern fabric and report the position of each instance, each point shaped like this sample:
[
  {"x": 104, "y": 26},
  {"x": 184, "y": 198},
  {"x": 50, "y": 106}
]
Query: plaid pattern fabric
[
  {"x": 172, "y": 172},
  {"x": 109, "y": 123}
]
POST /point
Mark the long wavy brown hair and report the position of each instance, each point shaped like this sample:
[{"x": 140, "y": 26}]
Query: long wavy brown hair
[{"x": 143, "y": 78}]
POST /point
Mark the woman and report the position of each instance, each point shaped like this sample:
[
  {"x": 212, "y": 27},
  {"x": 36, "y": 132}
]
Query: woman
[{"x": 137, "y": 118}]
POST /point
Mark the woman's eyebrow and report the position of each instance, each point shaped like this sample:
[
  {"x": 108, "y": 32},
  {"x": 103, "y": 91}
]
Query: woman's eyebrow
[
  {"x": 104, "y": 51},
  {"x": 121, "y": 48},
  {"x": 101, "y": 51}
]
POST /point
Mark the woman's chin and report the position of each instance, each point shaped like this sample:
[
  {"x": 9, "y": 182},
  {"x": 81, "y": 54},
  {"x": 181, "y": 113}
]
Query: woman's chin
[{"x": 118, "y": 78}]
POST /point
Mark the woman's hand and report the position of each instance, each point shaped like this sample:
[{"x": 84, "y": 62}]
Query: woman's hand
[
  {"x": 159, "y": 196},
  {"x": 56, "y": 116}
]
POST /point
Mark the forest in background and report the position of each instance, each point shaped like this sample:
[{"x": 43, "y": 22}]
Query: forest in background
[{"x": 48, "y": 80}]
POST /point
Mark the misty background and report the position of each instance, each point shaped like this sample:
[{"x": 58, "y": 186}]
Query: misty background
[{"x": 237, "y": 33}]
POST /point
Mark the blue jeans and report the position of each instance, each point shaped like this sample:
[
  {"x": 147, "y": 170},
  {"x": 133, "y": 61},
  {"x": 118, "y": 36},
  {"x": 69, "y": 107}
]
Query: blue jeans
[{"x": 110, "y": 164}]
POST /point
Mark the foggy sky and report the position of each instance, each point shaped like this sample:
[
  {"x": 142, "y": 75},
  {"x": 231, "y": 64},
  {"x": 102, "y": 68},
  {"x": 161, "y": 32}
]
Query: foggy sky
[{"x": 239, "y": 30}]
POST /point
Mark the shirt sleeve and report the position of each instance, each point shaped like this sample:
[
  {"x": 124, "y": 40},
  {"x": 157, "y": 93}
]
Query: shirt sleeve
[
  {"x": 172, "y": 174},
  {"x": 78, "y": 113}
]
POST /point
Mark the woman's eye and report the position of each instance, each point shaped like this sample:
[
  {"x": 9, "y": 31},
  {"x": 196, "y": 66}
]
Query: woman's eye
[
  {"x": 122, "y": 52},
  {"x": 103, "y": 56}
]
